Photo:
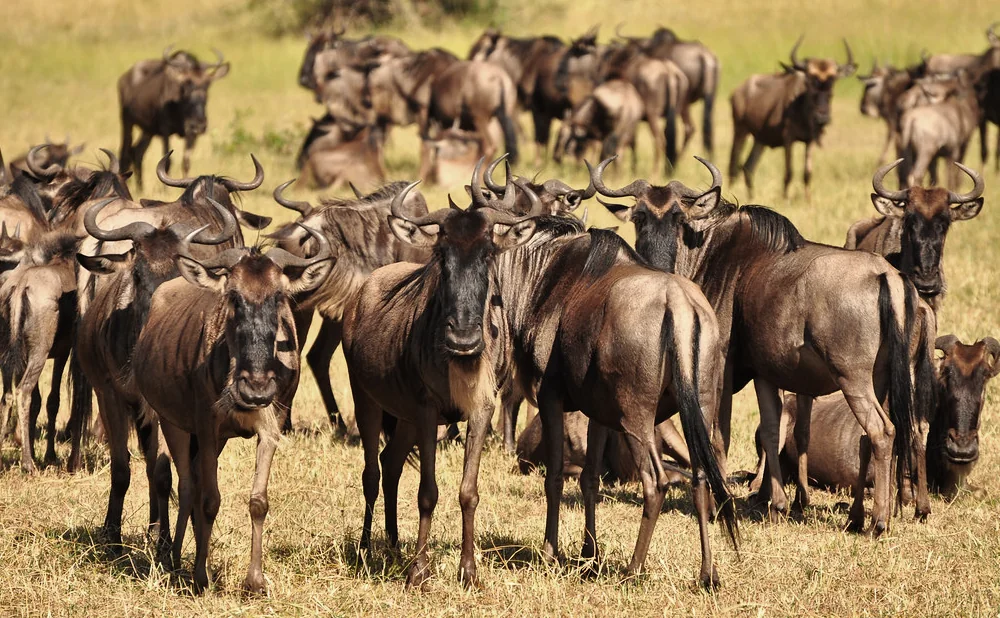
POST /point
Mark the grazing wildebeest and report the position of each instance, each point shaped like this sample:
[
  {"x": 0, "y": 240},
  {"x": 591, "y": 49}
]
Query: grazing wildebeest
[
  {"x": 164, "y": 97},
  {"x": 617, "y": 465},
  {"x": 217, "y": 359},
  {"x": 106, "y": 338},
  {"x": 37, "y": 311},
  {"x": 952, "y": 443},
  {"x": 608, "y": 116},
  {"x": 55, "y": 156},
  {"x": 358, "y": 232},
  {"x": 939, "y": 130},
  {"x": 913, "y": 228},
  {"x": 784, "y": 108},
  {"x": 784, "y": 305},
  {"x": 331, "y": 158}
]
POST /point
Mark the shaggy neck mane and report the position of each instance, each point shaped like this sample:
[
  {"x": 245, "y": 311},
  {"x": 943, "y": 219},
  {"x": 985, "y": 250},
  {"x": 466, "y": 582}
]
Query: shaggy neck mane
[
  {"x": 100, "y": 183},
  {"x": 769, "y": 231}
]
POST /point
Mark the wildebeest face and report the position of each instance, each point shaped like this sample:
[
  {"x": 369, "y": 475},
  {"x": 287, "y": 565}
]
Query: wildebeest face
[
  {"x": 962, "y": 375},
  {"x": 317, "y": 43},
  {"x": 485, "y": 46},
  {"x": 819, "y": 89},
  {"x": 874, "y": 90}
]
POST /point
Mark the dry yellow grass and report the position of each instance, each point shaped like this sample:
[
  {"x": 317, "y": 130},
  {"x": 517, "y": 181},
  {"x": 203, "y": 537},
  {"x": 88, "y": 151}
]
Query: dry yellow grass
[{"x": 57, "y": 74}]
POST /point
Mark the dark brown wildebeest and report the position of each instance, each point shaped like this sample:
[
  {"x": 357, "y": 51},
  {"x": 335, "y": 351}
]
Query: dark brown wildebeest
[
  {"x": 106, "y": 337},
  {"x": 451, "y": 156},
  {"x": 953, "y": 440},
  {"x": 913, "y": 227},
  {"x": 608, "y": 116},
  {"x": 784, "y": 305},
  {"x": 617, "y": 466},
  {"x": 326, "y": 50},
  {"x": 939, "y": 130},
  {"x": 386, "y": 370},
  {"x": 47, "y": 156},
  {"x": 781, "y": 109},
  {"x": 358, "y": 232},
  {"x": 217, "y": 359},
  {"x": 976, "y": 63},
  {"x": 164, "y": 97},
  {"x": 332, "y": 158},
  {"x": 990, "y": 102},
  {"x": 37, "y": 312},
  {"x": 883, "y": 88},
  {"x": 521, "y": 58}
]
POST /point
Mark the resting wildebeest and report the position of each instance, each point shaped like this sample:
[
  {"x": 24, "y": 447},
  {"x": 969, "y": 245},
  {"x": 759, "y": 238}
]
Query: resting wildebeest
[
  {"x": 218, "y": 358},
  {"x": 456, "y": 317},
  {"x": 608, "y": 116},
  {"x": 939, "y": 130},
  {"x": 952, "y": 444},
  {"x": 451, "y": 156},
  {"x": 913, "y": 227},
  {"x": 784, "y": 108},
  {"x": 106, "y": 337},
  {"x": 164, "y": 97},
  {"x": 55, "y": 156},
  {"x": 358, "y": 232},
  {"x": 332, "y": 159},
  {"x": 784, "y": 305}
]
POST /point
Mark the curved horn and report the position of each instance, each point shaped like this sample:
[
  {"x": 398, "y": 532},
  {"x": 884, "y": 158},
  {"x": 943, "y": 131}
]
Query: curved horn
[
  {"x": 36, "y": 169},
  {"x": 994, "y": 40},
  {"x": 161, "y": 173},
  {"x": 218, "y": 57},
  {"x": 946, "y": 343},
  {"x": 396, "y": 208},
  {"x": 992, "y": 347},
  {"x": 478, "y": 200},
  {"x": 303, "y": 208},
  {"x": 225, "y": 259},
  {"x": 358, "y": 194},
  {"x": 113, "y": 166},
  {"x": 283, "y": 258},
  {"x": 232, "y": 185},
  {"x": 635, "y": 189},
  {"x": 850, "y": 67},
  {"x": 536, "y": 204},
  {"x": 129, "y": 232},
  {"x": 895, "y": 196},
  {"x": 794, "y": 55},
  {"x": 497, "y": 190},
  {"x": 716, "y": 174},
  {"x": 977, "y": 189},
  {"x": 229, "y": 228}
]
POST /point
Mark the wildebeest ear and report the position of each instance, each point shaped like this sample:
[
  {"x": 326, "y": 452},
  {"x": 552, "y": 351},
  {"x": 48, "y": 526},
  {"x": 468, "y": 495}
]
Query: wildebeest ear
[
  {"x": 886, "y": 207},
  {"x": 704, "y": 205},
  {"x": 107, "y": 264},
  {"x": 221, "y": 72},
  {"x": 311, "y": 278},
  {"x": 966, "y": 210},
  {"x": 252, "y": 221},
  {"x": 510, "y": 236},
  {"x": 196, "y": 274},
  {"x": 416, "y": 235},
  {"x": 621, "y": 211}
]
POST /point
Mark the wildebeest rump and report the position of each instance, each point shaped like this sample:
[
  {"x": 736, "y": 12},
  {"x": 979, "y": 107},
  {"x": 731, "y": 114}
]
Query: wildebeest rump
[{"x": 608, "y": 116}]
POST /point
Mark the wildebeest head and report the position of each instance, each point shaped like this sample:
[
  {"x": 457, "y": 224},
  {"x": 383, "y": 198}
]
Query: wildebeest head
[
  {"x": 927, "y": 214},
  {"x": 659, "y": 212},
  {"x": 874, "y": 88},
  {"x": 255, "y": 289},
  {"x": 963, "y": 371},
  {"x": 485, "y": 45},
  {"x": 556, "y": 196},
  {"x": 820, "y": 75},
  {"x": 318, "y": 42},
  {"x": 465, "y": 244},
  {"x": 190, "y": 80}
]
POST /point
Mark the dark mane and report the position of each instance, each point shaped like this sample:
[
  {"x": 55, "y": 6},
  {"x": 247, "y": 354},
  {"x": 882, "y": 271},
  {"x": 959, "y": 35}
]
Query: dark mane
[
  {"x": 385, "y": 192},
  {"x": 98, "y": 184},
  {"x": 56, "y": 245},
  {"x": 605, "y": 248},
  {"x": 406, "y": 290},
  {"x": 773, "y": 229},
  {"x": 27, "y": 192},
  {"x": 207, "y": 184}
]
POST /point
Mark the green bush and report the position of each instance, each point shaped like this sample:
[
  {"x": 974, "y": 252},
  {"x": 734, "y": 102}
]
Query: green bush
[{"x": 280, "y": 17}]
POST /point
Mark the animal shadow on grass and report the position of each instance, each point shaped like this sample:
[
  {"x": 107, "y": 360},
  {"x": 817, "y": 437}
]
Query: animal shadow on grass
[
  {"x": 92, "y": 457},
  {"x": 379, "y": 562},
  {"x": 135, "y": 559},
  {"x": 507, "y": 552}
]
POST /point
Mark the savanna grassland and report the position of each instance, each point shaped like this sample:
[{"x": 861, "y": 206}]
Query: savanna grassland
[{"x": 58, "y": 67}]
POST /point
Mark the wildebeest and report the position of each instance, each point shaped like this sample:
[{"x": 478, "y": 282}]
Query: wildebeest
[
  {"x": 953, "y": 63},
  {"x": 45, "y": 156},
  {"x": 952, "y": 443},
  {"x": 451, "y": 156},
  {"x": 218, "y": 358},
  {"x": 106, "y": 338},
  {"x": 37, "y": 311},
  {"x": 608, "y": 116},
  {"x": 784, "y": 108},
  {"x": 520, "y": 57},
  {"x": 913, "y": 227},
  {"x": 359, "y": 235},
  {"x": 327, "y": 49},
  {"x": 939, "y": 130},
  {"x": 164, "y": 97},
  {"x": 331, "y": 157},
  {"x": 784, "y": 305},
  {"x": 883, "y": 88}
]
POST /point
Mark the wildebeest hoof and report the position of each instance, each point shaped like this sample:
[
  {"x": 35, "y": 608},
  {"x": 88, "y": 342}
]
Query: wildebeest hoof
[
  {"x": 467, "y": 577},
  {"x": 921, "y": 514},
  {"x": 28, "y": 467},
  {"x": 855, "y": 524},
  {"x": 878, "y": 527},
  {"x": 709, "y": 582},
  {"x": 418, "y": 575},
  {"x": 255, "y": 586}
]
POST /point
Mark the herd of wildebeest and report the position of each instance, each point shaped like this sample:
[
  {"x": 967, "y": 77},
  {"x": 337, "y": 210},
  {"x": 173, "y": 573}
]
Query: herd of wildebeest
[{"x": 190, "y": 337}]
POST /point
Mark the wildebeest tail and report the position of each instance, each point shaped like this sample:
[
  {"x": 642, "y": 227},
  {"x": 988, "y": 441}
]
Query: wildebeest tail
[
  {"x": 900, "y": 383},
  {"x": 710, "y": 75},
  {"x": 685, "y": 379},
  {"x": 81, "y": 401},
  {"x": 14, "y": 357},
  {"x": 670, "y": 129},
  {"x": 507, "y": 124}
]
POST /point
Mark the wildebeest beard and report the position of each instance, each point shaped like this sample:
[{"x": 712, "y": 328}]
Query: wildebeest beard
[{"x": 656, "y": 243}]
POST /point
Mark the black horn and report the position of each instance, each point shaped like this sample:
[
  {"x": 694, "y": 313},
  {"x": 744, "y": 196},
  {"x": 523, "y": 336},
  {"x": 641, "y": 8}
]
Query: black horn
[
  {"x": 161, "y": 173},
  {"x": 258, "y": 179},
  {"x": 634, "y": 189},
  {"x": 129, "y": 232},
  {"x": 794, "y": 55},
  {"x": 113, "y": 166},
  {"x": 877, "y": 184},
  {"x": 977, "y": 188},
  {"x": 42, "y": 173},
  {"x": 303, "y": 208}
]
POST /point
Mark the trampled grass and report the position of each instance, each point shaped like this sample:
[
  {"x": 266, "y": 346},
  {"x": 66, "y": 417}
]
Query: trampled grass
[{"x": 57, "y": 75}]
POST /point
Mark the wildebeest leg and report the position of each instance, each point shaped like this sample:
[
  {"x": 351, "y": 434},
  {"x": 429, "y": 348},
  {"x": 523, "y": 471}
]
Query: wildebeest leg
[
  {"x": 207, "y": 504},
  {"x": 179, "y": 443},
  {"x": 34, "y": 409},
  {"x": 751, "y": 165},
  {"x": 254, "y": 581},
  {"x": 659, "y": 138},
  {"x": 802, "y": 422},
  {"x": 24, "y": 425},
  {"x": 393, "y": 458},
  {"x": 676, "y": 447},
  {"x": 427, "y": 496},
  {"x": 788, "y": 167},
  {"x": 368, "y": 415},
  {"x": 919, "y": 169},
  {"x": 984, "y": 152},
  {"x": 688, "y": 127},
  {"x": 138, "y": 153},
  {"x": 919, "y": 448},
  {"x": 52, "y": 407},
  {"x": 468, "y": 493},
  {"x": 115, "y": 421},
  {"x": 876, "y": 424},
  {"x": 510, "y": 406},
  {"x": 807, "y": 171},
  {"x": 739, "y": 139},
  {"x": 6, "y": 403},
  {"x": 590, "y": 482},
  {"x": 652, "y": 492},
  {"x": 856, "y": 516},
  {"x": 769, "y": 402},
  {"x": 125, "y": 155},
  {"x": 550, "y": 407},
  {"x": 188, "y": 147},
  {"x": 153, "y": 446},
  {"x": 319, "y": 357},
  {"x": 723, "y": 422},
  {"x": 543, "y": 124}
]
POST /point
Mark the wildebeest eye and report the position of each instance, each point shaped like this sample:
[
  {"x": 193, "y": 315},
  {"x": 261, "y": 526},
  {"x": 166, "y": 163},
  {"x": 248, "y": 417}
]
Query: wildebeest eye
[{"x": 638, "y": 217}]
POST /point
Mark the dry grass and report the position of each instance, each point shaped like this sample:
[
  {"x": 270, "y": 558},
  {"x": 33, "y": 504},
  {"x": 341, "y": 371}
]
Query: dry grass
[{"x": 57, "y": 74}]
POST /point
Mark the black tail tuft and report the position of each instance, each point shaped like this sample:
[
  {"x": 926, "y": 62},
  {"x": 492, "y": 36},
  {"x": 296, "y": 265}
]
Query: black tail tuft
[
  {"x": 695, "y": 432},
  {"x": 509, "y": 131},
  {"x": 900, "y": 384},
  {"x": 670, "y": 133},
  {"x": 706, "y": 122},
  {"x": 81, "y": 400}
]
